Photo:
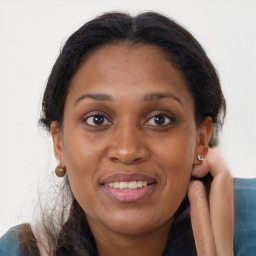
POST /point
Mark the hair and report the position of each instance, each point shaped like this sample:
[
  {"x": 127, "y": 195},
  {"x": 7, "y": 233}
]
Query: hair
[{"x": 74, "y": 236}]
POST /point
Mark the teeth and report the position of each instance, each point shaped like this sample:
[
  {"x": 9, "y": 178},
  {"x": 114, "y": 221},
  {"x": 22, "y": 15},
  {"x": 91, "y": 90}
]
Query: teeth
[
  {"x": 127, "y": 185},
  {"x": 116, "y": 184},
  {"x": 123, "y": 185},
  {"x": 132, "y": 184},
  {"x": 139, "y": 184}
]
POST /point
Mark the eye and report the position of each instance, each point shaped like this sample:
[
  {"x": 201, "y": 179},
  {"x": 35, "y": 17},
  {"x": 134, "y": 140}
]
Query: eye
[
  {"x": 96, "y": 120},
  {"x": 159, "y": 120}
]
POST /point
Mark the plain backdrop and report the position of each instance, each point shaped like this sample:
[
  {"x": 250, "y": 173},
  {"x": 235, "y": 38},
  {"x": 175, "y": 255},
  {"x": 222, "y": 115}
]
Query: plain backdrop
[{"x": 31, "y": 36}]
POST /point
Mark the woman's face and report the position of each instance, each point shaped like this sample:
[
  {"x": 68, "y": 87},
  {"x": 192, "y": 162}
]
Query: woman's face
[{"x": 128, "y": 138}]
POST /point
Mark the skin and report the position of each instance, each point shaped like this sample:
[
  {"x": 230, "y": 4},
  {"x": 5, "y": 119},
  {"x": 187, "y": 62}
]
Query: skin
[
  {"x": 213, "y": 218},
  {"x": 130, "y": 141}
]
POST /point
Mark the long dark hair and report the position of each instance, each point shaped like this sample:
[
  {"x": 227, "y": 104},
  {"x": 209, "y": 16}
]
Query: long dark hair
[{"x": 73, "y": 236}]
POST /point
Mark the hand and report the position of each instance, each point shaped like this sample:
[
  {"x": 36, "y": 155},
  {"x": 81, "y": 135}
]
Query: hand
[{"x": 212, "y": 218}]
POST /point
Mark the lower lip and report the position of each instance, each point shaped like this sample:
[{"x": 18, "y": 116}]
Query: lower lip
[{"x": 128, "y": 196}]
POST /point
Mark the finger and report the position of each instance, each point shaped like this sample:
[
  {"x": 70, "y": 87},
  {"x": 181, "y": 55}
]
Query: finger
[
  {"x": 200, "y": 219},
  {"x": 215, "y": 162},
  {"x": 222, "y": 213},
  {"x": 201, "y": 170}
]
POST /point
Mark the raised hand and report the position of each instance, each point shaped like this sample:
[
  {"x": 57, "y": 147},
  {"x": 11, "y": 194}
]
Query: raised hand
[{"x": 212, "y": 216}]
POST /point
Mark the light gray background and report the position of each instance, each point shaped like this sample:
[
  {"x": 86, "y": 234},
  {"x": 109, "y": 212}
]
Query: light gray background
[{"x": 31, "y": 34}]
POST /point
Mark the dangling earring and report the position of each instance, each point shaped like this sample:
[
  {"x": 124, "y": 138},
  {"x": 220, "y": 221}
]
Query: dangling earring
[
  {"x": 200, "y": 158},
  {"x": 60, "y": 171}
]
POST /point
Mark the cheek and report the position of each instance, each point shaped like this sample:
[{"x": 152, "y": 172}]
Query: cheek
[
  {"x": 177, "y": 179},
  {"x": 176, "y": 154},
  {"x": 82, "y": 162},
  {"x": 175, "y": 157},
  {"x": 81, "y": 154}
]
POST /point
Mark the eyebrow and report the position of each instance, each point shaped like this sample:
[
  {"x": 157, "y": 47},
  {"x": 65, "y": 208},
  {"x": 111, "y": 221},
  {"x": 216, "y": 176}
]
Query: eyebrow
[
  {"x": 108, "y": 98},
  {"x": 159, "y": 96},
  {"x": 94, "y": 96}
]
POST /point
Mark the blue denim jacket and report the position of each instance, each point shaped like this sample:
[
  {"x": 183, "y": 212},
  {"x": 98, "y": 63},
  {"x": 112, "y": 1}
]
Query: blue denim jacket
[
  {"x": 245, "y": 217},
  {"x": 245, "y": 223},
  {"x": 9, "y": 244}
]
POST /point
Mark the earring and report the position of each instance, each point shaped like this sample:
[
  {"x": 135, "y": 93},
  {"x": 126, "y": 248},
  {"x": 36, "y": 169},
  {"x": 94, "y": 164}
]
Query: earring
[
  {"x": 60, "y": 171},
  {"x": 200, "y": 158}
]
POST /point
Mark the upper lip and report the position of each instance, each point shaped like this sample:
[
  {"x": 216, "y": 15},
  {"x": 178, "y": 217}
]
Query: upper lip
[{"x": 127, "y": 177}]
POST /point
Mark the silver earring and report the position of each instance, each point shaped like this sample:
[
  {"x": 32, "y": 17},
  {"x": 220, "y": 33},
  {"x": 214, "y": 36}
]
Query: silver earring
[{"x": 200, "y": 158}]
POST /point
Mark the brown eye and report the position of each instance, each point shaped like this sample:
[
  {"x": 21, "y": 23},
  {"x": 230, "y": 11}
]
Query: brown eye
[
  {"x": 96, "y": 120},
  {"x": 159, "y": 120}
]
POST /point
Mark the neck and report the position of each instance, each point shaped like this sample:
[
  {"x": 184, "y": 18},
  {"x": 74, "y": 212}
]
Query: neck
[{"x": 152, "y": 243}]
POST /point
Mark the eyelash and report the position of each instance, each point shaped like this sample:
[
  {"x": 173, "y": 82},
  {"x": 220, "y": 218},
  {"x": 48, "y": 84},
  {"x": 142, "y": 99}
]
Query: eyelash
[
  {"x": 105, "y": 119},
  {"x": 94, "y": 116},
  {"x": 170, "y": 119}
]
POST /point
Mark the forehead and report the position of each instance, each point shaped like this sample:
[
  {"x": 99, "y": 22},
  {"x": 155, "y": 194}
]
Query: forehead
[{"x": 130, "y": 70}]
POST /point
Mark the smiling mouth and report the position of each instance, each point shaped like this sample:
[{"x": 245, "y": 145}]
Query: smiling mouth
[
  {"x": 128, "y": 188},
  {"x": 128, "y": 185}
]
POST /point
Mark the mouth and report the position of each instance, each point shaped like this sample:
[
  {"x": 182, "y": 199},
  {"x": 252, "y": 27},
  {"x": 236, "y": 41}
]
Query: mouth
[
  {"x": 127, "y": 185},
  {"x": 128, "y": 188}
]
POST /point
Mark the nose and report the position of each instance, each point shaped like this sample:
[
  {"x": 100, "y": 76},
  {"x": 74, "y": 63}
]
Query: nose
[{"x": 128, "y": 145}]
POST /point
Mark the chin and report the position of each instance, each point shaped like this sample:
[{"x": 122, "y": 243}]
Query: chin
[{"x": 136, "y": 223}]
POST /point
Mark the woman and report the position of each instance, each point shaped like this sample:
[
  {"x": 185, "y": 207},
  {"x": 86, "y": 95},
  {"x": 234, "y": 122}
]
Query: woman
[{"x": 131, "y": 104}]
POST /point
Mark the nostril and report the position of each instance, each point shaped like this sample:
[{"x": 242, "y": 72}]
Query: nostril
[
  {"x": 127, "y": 155},
  {"x": 125, "y": 160},
  {"x": 115, "y": 159}
]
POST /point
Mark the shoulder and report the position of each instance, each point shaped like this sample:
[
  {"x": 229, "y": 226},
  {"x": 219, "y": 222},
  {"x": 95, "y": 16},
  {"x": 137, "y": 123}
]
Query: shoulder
[
  {"x": 9, "y": 243},
  {"x": 19, "y": 241},
  {"x": 245, "y": 216}
]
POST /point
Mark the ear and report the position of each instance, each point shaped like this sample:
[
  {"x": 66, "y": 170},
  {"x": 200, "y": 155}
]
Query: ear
[
  {"x": 204, "y": 133},
  {"x": 57, "y": 143}
]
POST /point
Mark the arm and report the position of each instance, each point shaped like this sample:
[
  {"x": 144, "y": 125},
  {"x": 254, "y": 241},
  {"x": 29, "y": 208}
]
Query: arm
[{"x": 212, "y": 217}]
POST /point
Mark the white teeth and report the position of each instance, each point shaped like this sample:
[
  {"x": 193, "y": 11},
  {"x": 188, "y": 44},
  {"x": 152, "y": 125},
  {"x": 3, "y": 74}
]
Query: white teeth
[
  {"x": 127, "y": 185},
  {"x": 132, "y": 184},
  {"x": 123, "y": 185},
  {"x": 139, "y": 184},
  {"x": 116, "y": 184}
]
